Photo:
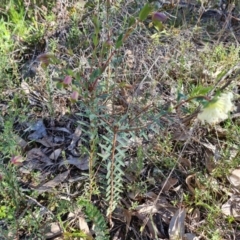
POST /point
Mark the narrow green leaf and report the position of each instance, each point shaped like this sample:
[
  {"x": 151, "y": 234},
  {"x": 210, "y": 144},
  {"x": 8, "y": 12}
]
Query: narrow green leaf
[
  {"x": 132, "y": 20},
  {"x": 83, "y": 123},
  {"x": 106, "y": 148},
  {"x": 108, "y": 170},
  {"x": 143, "y": 134},
  {"x": 109, "y": 140},
  {"x": 96, "y": 24},
  {"x": 118, "y": 189},
  {"x": 104, "y": 156},
  {"x": 200, "y": 90},
  {"x": 95, "y": 39},
  {"x": 119, "y": 42},
  {"x": 108, "y": 191},
  {"x": 145, "y": 11},
  {"x": 121, "y": 152},
  {"x": 121, "y": 163},
  {"x": 118, "y": 171}
]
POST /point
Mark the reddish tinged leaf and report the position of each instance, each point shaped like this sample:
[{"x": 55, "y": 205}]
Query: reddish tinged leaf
[{"x": 17, "y": 160}]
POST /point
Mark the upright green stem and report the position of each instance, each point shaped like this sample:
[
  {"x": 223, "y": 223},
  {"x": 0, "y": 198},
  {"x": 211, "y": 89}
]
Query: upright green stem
[{"x": 115, "y": 130}]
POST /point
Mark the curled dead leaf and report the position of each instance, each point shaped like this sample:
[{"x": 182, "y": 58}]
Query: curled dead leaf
[{"x": 189, "y": 183}]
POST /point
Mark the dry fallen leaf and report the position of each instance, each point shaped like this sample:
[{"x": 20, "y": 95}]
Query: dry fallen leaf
[
  {"x": 36, "y": 159},
  {"x": 209, "y": 160},
  {"x": 47, "y": 142},
  {"x": 195, "y": 217},
  {"x": 151, "y": 195},
  {"x": 231, "y": 207},
  {"x": 55, "y": 154},
  {"x": 39, "y": 130},
  {"x": 143, "y": 212},
  {"x": 26, "y": 88},
  {"x": 53, "y": 183},
  {"x": 190, "y": 236},
  {"x": 234, "y": 178},
  {"x": 116, "y": 235},
  {"x": 52, "y": 230},
  {"x": 128, "y": 217},
  {"x": 145, "y": 209},
  {"x": 21, "y": 142},
  {"x": 60, "y": 129},
  {"x": 169, "y": 183},
  {"x": 181, "y": 132},
  {"x": 150, "y": 224},
  {"x": 84, "y": 226},
  {"x": 184, "y": 164},
  {"x": 176, "y": 227},
  {"x": 80, "y": 163},
  {"x": 129, "y": 58},
  {"x": 75, "y": 138}
]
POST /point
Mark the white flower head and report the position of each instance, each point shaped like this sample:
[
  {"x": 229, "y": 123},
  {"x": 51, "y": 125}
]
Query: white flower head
[{"x": 217, "y": 110}]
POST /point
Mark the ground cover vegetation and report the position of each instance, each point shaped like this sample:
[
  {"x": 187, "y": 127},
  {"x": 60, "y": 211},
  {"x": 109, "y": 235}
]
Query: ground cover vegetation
[{"x": 119, "y": 119}]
